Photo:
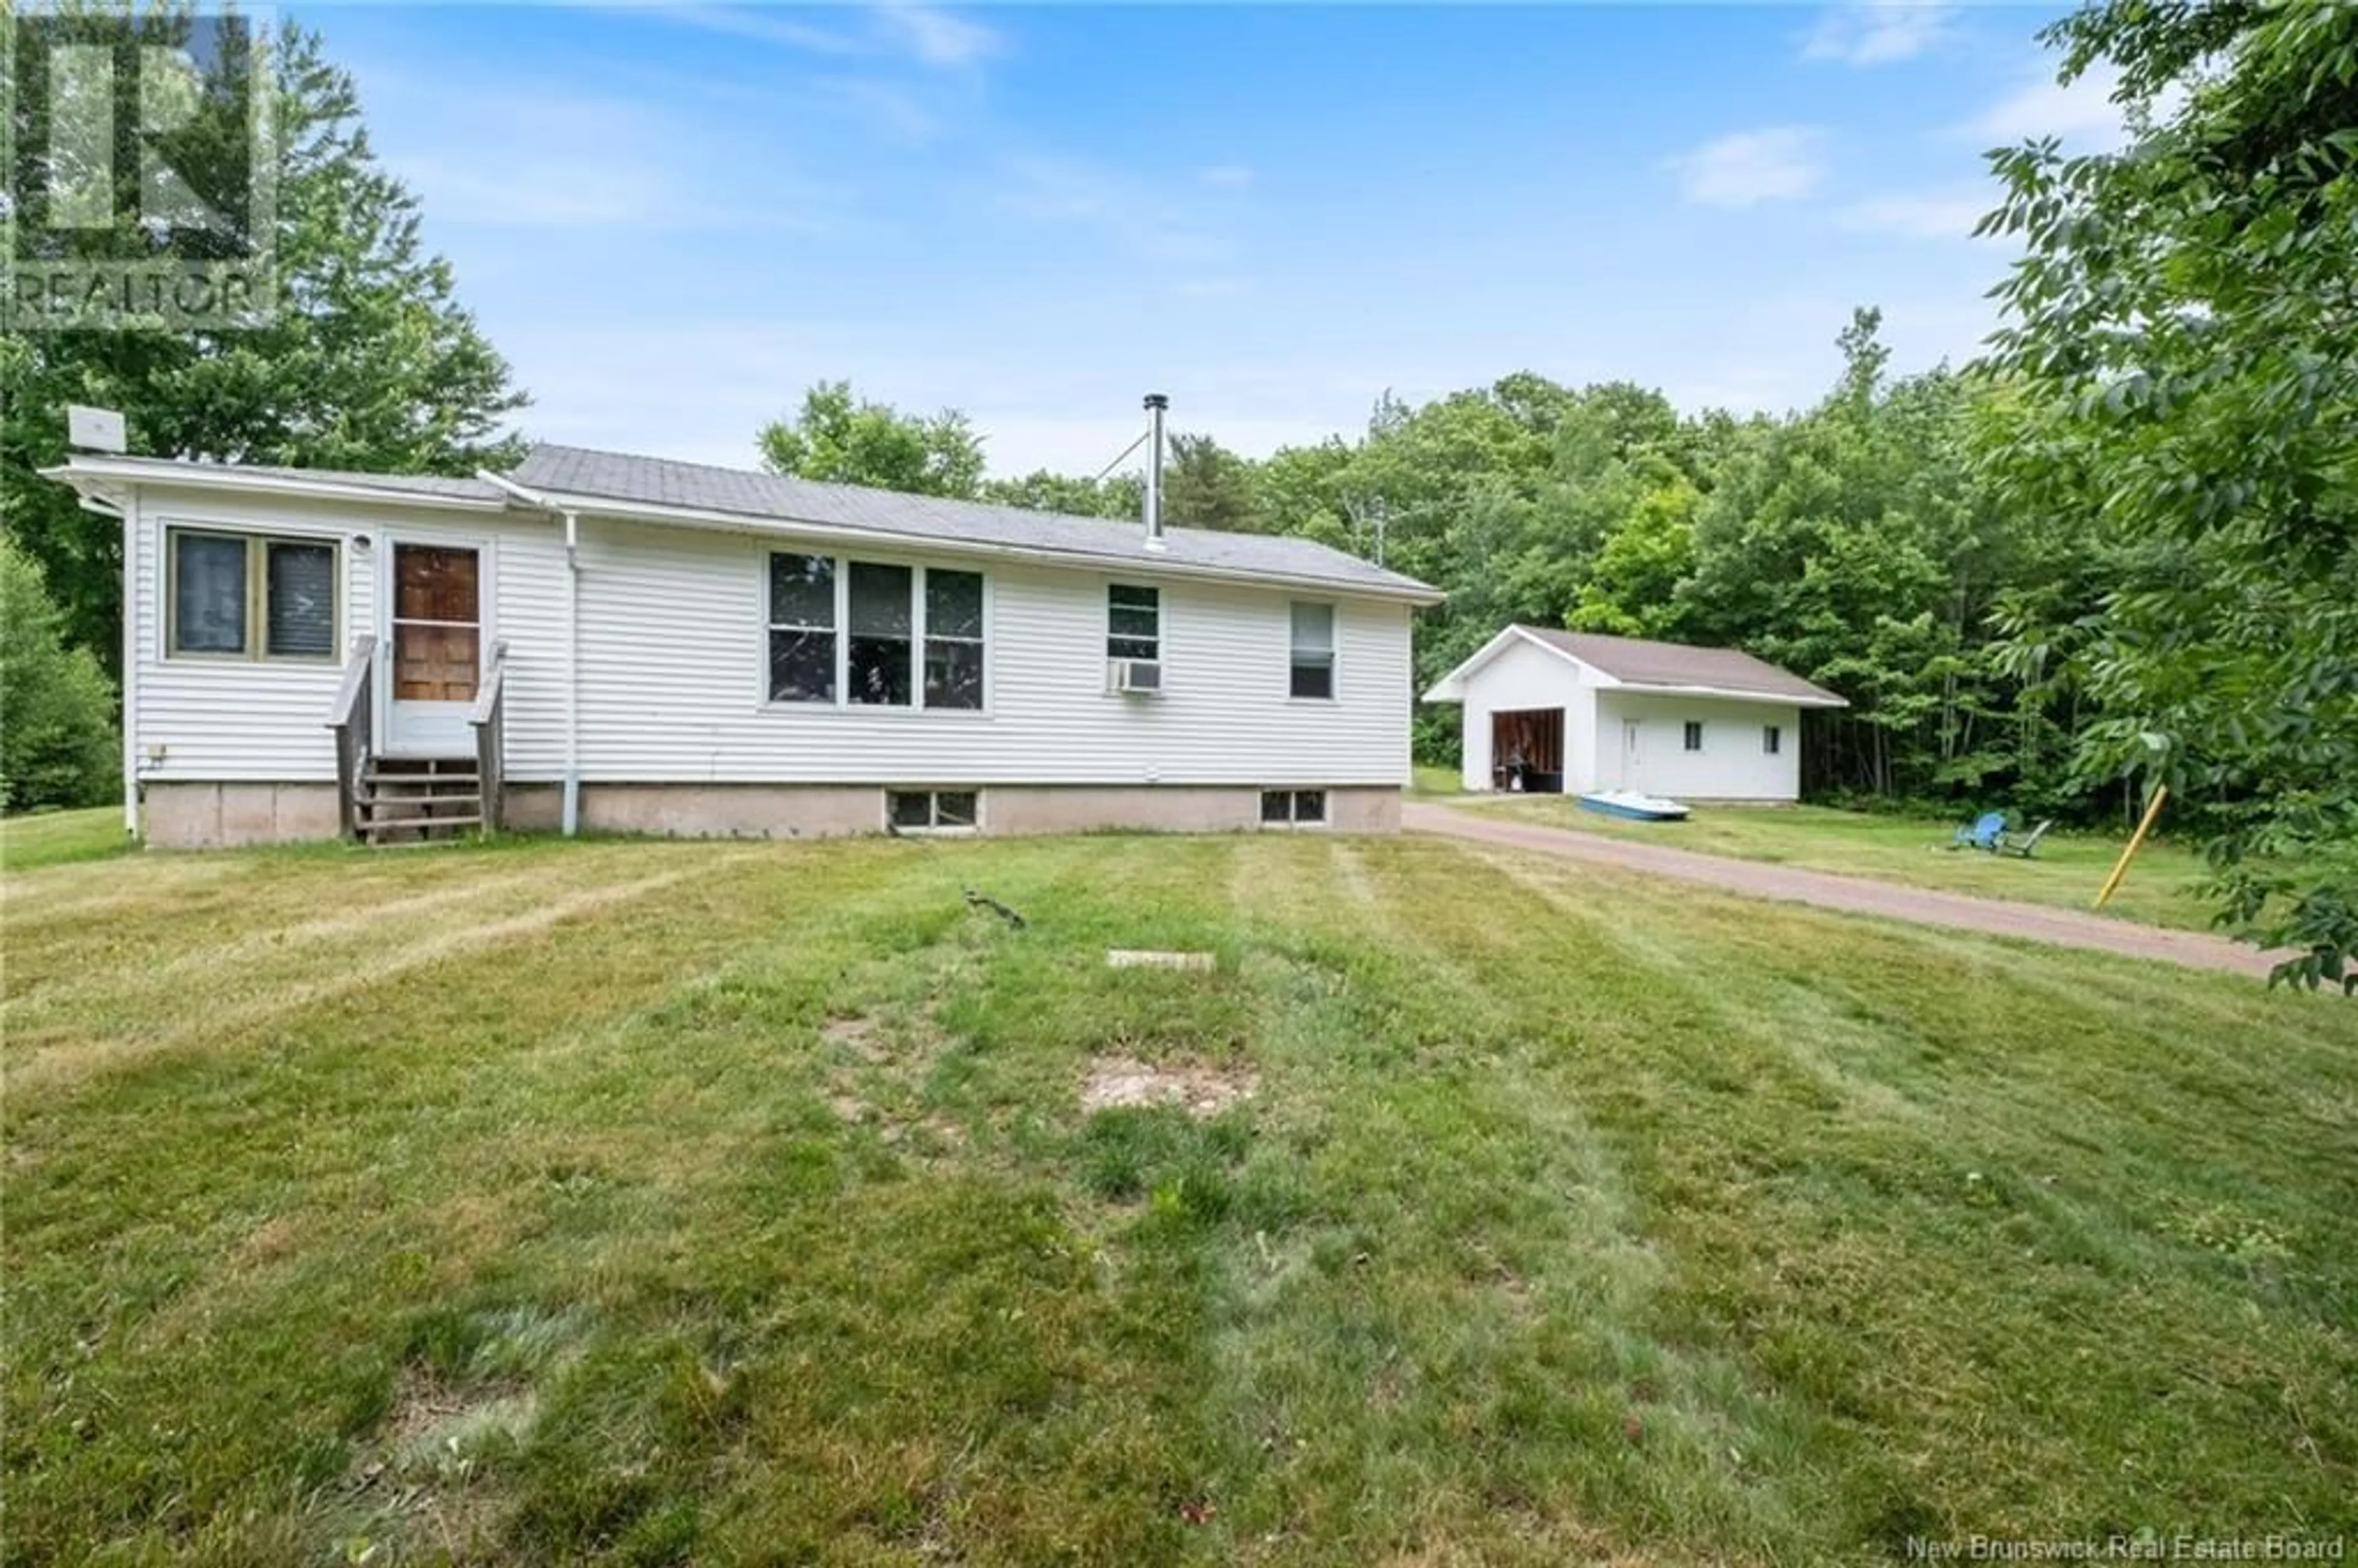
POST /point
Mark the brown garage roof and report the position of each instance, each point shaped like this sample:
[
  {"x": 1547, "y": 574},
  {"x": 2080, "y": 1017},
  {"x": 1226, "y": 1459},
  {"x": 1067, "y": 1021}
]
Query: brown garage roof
[{"x": 1634, "y": 661}]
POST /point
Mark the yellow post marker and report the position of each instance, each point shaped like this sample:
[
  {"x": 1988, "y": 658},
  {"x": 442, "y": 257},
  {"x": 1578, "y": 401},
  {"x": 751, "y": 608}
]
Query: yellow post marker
[{"x": 2121, "y": 866}]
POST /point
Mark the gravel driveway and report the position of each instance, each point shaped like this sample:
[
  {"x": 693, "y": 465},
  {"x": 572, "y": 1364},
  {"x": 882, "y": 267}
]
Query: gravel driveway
[{"x": 1853, "y": 895}]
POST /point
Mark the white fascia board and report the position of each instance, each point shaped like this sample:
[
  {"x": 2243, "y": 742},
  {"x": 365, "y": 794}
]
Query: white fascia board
[
  {"x": 1730, "y": 694},
  {"x": 80, "y": 471}
]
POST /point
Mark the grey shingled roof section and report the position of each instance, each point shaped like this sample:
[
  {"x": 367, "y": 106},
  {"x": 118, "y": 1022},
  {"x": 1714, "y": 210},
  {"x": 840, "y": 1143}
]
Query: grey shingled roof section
[
  {"x": 1639, "y": 662},
  {"x": 661, "y": 481}
]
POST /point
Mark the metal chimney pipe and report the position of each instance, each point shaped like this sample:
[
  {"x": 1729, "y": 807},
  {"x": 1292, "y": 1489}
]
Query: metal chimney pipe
[{"x": 1155, "y": 406}]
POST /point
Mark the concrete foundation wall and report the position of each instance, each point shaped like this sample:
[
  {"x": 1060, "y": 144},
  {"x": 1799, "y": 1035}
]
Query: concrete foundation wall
[
  {"x": 225, "y": 815},
  {"x": 1364, "y": 810},
  {"x": 214, "y": 816}
]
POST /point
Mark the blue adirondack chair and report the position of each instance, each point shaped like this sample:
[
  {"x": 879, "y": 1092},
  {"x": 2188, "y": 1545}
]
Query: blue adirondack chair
[
  {"x": 2022, "y": 843},
  {"x": 1985, "y": 832}
]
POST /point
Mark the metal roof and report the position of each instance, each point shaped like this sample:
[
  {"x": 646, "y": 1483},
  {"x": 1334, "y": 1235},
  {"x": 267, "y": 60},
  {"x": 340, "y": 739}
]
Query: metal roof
[
  {"x": 697, "y": 493},
  {"x": 1636, "y": 661},
  {"x": 635, "y": 482}
]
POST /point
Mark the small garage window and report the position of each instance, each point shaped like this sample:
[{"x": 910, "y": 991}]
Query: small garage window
[
  {"x": 1293, "y": 807},
  {"x": 1694, "y": 734},
  {"x": 1772, "y": 739},
  {"x": 932, "y": 810}
]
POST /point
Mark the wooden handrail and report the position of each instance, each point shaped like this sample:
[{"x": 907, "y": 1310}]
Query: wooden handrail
[
  {"x": 356, "y": 681},
  {"x": 487, "y": 695},
  {"x": 353, "y": 718},
  {"x": 489, "y": 717}
]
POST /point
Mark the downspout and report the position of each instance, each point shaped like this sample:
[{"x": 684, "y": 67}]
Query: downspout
[
  {"x": 131, "y": 660},
  {"x": 129, "y": 514},
  {"x": 570, "y": 816},
  {"x": 572, "y": 810}
]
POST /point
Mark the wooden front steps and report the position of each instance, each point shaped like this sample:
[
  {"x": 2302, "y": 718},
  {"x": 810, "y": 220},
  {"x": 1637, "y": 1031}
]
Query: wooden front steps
[{"x": 419, "y": 800}]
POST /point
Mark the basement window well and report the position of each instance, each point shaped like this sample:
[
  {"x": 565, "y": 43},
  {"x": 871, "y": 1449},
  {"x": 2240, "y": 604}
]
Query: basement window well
[
  {"x": 1293, "y": 807},
  {"x": 932, "y": 810}
]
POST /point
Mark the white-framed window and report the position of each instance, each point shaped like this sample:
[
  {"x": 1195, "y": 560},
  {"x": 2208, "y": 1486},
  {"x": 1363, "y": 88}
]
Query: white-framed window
[
  {"x": 870, "y": 635},
  {"x": 933, "y": 810},
  {"x": 1293, "y": 807},
  {"x": 1772, "y": 739},
  {"x": 1694, "y": 734},
  {"x": 249, "y": 596},
  {"x": 881, "y": 671},
  {"x": 1313, "y": 674},
  {"x": 953, "y": 639},
  {"x": 802, "y": 651},
  {"x": 1133, "y": 622}
]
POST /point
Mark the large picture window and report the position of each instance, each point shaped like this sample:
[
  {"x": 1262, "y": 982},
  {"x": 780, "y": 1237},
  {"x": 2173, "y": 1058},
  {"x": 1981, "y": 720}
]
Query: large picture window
[
  {"x": 872, "y": 635},
  {"x": 1314, "y": 651},
  {"x": 247, "y": 595},
  {"x": 802, "y": 629}
]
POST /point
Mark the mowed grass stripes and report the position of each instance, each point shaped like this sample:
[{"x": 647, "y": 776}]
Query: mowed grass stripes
[{"x": 648, "y": 1202}]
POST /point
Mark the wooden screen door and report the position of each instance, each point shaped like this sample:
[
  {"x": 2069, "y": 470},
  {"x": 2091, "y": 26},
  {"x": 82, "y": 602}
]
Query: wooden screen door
[{"x": 436, "y": 632}]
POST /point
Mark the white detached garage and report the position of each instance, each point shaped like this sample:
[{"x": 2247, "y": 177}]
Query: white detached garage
[{"x": 1570, "y": 711}]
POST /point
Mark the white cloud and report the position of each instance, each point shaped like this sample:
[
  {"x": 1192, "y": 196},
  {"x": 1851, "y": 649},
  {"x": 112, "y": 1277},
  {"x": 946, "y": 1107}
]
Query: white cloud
[
  {"x": 1945, "y": 214},
  {"x": 2081, "y": 113},
  {"x": 1137, "y": 218},
  {"x": 1879, "y": 32},
  {"x": 899, "y": 114},
  {"x": 1779, "y": 164},
  {"x": 1228, "y": 174},
  {"x": 763, "y": 23},
  {"x": 937, "y": 36},
  {"x": 925, "y": 32}
]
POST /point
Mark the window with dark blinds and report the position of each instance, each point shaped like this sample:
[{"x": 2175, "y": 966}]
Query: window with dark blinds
[{"x": 300, "y": 600}]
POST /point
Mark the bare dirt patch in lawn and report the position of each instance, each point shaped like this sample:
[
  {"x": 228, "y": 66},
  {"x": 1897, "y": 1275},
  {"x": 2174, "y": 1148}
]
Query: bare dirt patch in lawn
[
  {"x": 419, "y": 1480},
  {"x": 1197, "y": 1088}
]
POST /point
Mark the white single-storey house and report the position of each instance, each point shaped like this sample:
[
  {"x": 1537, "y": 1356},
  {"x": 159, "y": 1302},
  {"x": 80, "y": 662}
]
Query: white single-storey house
[
  {"x": 1573, "y": 711},
  {"x": 625, "y": 643}
]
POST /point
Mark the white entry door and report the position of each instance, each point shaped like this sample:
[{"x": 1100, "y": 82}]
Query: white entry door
[
  {"x": 1630, "y": 758},
  {"x": 434, "y": 634}
]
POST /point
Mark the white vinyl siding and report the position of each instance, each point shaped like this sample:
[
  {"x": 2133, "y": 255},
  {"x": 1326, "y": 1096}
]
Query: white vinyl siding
[
  {"x": 1719, "y": 772},
  {"x": 232, "y": 719},
  {"x": 675, "y": 669},
  {"x": 1224, "y": 716}
]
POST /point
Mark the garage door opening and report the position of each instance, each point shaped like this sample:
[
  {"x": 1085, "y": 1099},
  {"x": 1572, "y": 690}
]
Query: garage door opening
[{"x": 1527, "y": 750}]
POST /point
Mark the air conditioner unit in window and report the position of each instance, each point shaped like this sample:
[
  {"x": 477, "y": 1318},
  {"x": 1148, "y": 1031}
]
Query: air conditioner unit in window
[{"x": 1139, "y": 677}]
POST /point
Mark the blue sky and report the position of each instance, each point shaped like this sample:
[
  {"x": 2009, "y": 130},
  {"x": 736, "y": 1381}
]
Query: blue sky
[{"x": 673, "y": 217}]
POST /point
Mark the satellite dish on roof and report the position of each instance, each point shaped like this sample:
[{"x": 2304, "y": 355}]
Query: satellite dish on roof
[{"x": 94, "y": 429}]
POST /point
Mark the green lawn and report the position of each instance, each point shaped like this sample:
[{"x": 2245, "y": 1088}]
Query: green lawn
[
  {"x": 643, "y": 1202},
  {"x": 1432, "y": 781},
  {"x": 2066, "y": 869},
  {"x": 59, "y": 838}
]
